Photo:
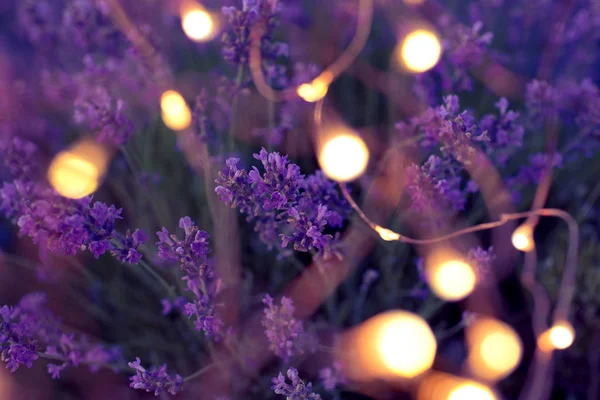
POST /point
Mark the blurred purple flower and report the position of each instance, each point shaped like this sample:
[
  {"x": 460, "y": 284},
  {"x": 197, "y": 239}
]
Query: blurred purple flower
[
  {"x": 282, "y": 329},
  {"x": 281, "y": 198},
  {"x": 332, "y": 377},
  {"x": 297, "y": 390},
  {"x": 191, "y": 253},
  {"x": 155, "y": 379}
]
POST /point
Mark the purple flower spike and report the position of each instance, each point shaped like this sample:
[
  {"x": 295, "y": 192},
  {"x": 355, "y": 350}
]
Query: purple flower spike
[{"x": 154, "y": 380}]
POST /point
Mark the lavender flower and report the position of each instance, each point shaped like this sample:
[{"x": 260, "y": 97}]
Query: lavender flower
[
  {"x": 297, "y": 390},
  {"x": 29, "y": 329},
  {"x": 58, "y": 223},
  {"x": 504, "y": 131},
  {"x": 236, "y": 44},
  {"x": 282, "y": 329},
  {"x": 432, "y": 188},
  {"x": 154, "y": 380},
  {"x": 97, "y": 109},
  {"x": 191, "y": 253},
  {"x": 332, "y": 377},
  {"x": 541, "y": 100},
  {"x": 280, "y": 199},
  {"x": 481, "y": 260}
]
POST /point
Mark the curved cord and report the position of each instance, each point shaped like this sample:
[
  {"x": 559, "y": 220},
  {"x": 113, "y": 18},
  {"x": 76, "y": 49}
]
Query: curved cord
[{"x": 358, "y": 42}]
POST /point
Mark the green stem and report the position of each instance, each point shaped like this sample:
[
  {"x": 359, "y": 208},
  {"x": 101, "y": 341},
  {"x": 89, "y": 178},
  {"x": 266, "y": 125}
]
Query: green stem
[
  {"x": 159, "y": 278},
  {"x": 234, "y": 107},
  {"x": 198, "y": 373},
  {"x": 64, "y": 359}
]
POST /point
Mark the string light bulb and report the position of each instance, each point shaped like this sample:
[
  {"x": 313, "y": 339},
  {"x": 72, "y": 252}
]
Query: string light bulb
[
  {"x": 420, "y": 51},
  {"x": 561, "y": 335},
  {"x": 77, "y": 172},
  {"x": 449, "y": 277},
  {"x": 495, "y": 349},
  {"x": 176, "y": 114},
  {"x": 344, "y": 157},
  {"x": 313, "y": 91},
  {"x": 441, "y": 386},
  {"x": 197, "y": 24},
  {"x": 387, "y": 234},
  {"x": 406, "y": 344},
  {"x": 395, "y": 345},
  {"x": 471, "y": 390},
  {"x": 522, "y": 238}
]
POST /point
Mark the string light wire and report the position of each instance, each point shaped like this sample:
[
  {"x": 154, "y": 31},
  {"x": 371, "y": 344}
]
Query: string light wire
[{"x": 342, "y": 63}]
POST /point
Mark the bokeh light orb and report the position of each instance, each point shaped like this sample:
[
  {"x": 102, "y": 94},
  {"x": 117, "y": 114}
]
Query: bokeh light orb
[
  {"x": 344, "y": 157},
  {"x": 73, "y": 176},
  {"x": 420, "y": 51},
  {"x": 406, "y": 344},
  {"x": 495, "y": 349},
  {"x": 175, "y": 112},
  {"x": 470, "y": 390},
  {"x": 197, "y": 24},
  {"x": 522, "y": 238},
  {"x": 313, "y": 91},
  {"x": 561, "y": 335},
  {"x": 451, "y": 279}
]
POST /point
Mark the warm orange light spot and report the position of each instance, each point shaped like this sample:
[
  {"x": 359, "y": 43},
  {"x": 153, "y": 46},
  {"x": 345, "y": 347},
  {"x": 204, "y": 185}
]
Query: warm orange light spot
[
  {"x": 561, "y": 335},
  {"x": 313, "y": 91},
  {"x": 394, "y": 345},
  {"x": 495, "y": 349},
  {"x": 386, "y": 234},
  {"x": 406, "y": 344},
  {"x": 420, "y": 51},
  {"x": 522, "y": 238},
  {"x": 470, "y": 390},
  {"x": 441, "y": 386},
  {"x": 77, "y": 172},
  {"x": 197, "y": 24},
  {"x": 344, "y": 157},
  {"x": 176, "y": 114},
  {"x": 450, "y": 278},
  {"x": 72, "y": 176}
]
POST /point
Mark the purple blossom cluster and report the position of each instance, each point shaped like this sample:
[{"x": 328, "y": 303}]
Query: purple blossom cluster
[
  {"x": 296, "y": 390},
  {"x": 332, "y": 377},
  {"x": 463, "y": 48},
  {"x": 62, "y": 224},
  {"x": 29, "y": 330},
  {"x": 155, "y": 380},
  {"x": 282, "y": 202},
  {"x": 481, "y": 260},
  {"x": 285, "y": 333},
  {"x": 236, "y": 44},
  {"x": 99, "y": 111},
  {"x": 433, "y": 188},
  {"x": 439, "y": 184},
  {"x": 191, "y": 254}
]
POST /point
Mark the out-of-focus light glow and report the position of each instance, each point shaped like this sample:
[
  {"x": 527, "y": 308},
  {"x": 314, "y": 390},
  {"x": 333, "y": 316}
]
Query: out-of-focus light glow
[
  {"x": 561, "y": 335},
  {"x": 420, "y": 51},
  {"x": 197, "y": 24},
  {"x": 73, "y": 176},
  {"x": 386, "y": 234},
  {"x": 176, "y": 114},
  {"x": 495, "y": 349},
  {"x": 522, "y": 238},
  {"x": 413, "y": 2},
  {"x": 471, "y": 391},
  {"x": 406, "y": 344},
  {"x": 313, "y": 91},
  {"x": 344, "y": 157},
  {"x": 452, "y": 279},
  {"x": 441, "y": 386}
]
